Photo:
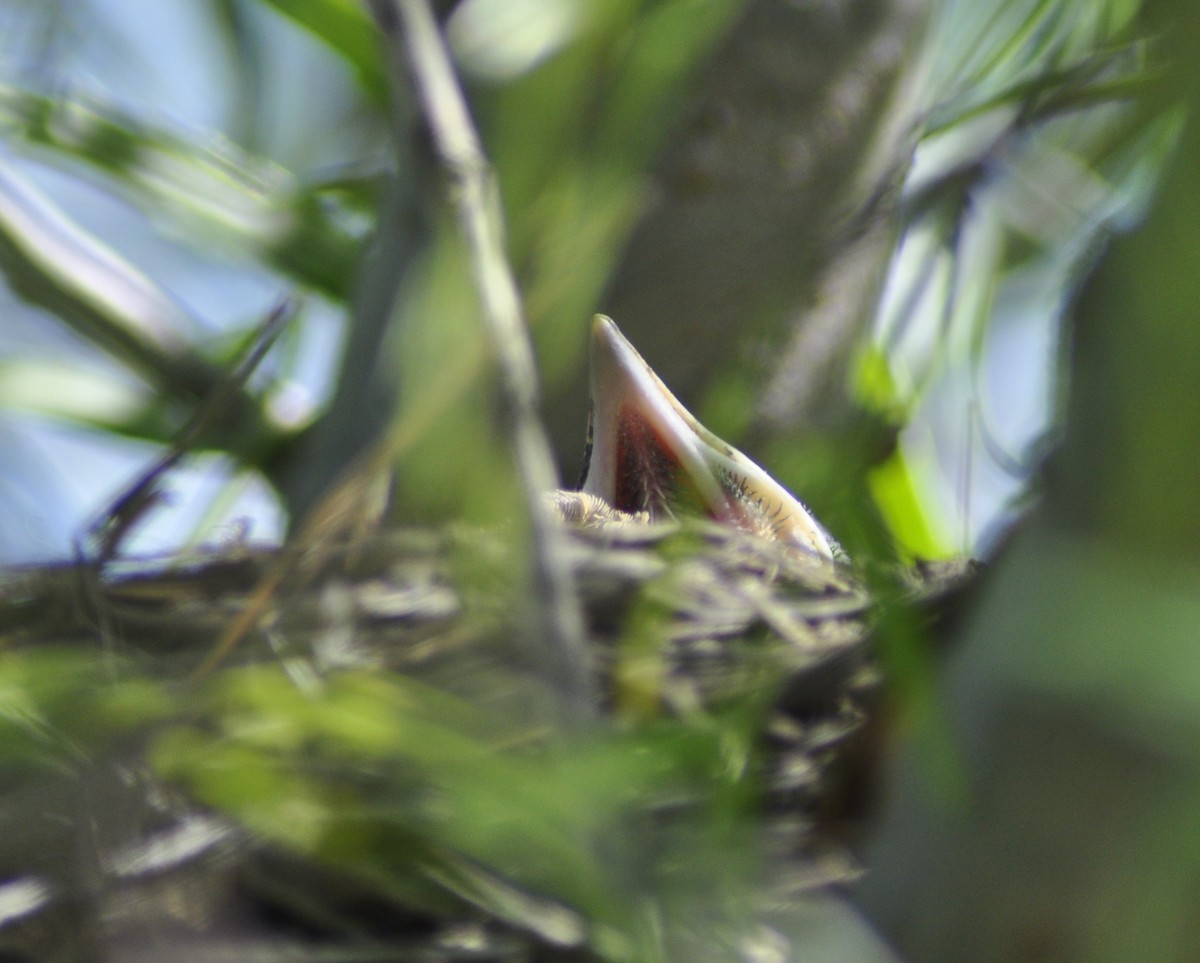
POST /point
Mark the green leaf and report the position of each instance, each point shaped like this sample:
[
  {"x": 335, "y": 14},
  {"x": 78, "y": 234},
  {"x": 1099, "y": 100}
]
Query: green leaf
[
  {"x": 63, "y": 704},
  {"x": 899, "y": 498},
  {"x": 345, "y": 27},
  {"x": 71, "y": 392},
  {"x": 396, "y": 781},
  {"x": 218, "y": 193}
]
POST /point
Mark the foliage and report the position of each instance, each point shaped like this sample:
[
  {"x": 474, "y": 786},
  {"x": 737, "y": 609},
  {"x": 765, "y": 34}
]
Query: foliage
[
  {"x": 387, "y": 736},
  {"x": 1029, "y": 149},
  {"x": 1033, "y": 148},
  {"x": 573, "y": 119}
]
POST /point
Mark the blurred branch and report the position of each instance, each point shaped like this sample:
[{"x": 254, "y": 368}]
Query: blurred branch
[
  {"x": 368, "y": 383},
  {"x": 129, "y": 507},
  {"x": 411, "y": 31}
]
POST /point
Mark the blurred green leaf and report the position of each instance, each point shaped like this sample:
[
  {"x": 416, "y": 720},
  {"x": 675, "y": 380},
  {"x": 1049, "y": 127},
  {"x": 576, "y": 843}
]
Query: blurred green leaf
[
  {"x": 64, "y": 704},
  {"x": 345, "y": 27},
  {"x": 899, "y": 497},
  {"x": 875, "y": 385},
  {"x": 53, "y": 262},
  {"x": 1024, "y": 163},
  {"x": 364, "y": 757},
  {"x": 212, "y": 191},
  {"x": 70, "y": 391}
]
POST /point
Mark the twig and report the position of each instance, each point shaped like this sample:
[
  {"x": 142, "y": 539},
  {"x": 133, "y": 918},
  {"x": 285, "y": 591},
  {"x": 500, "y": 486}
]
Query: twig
[
  {"x": 112, "y": 526},
  {"x": 412, "y": 34},
  {"x": 131, "y": 505}
]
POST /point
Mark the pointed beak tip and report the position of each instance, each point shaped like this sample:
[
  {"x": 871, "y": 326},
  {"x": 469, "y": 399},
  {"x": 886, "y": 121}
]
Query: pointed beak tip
[
  {"x": 604, "y": 332},
  {"x": 613, "y": 358},
  {"x": 641, "y": 429}
]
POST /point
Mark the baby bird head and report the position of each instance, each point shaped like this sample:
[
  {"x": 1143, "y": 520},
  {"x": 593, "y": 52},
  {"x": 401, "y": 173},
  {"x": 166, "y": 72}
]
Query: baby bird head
[{"x": 647, "y": 453}]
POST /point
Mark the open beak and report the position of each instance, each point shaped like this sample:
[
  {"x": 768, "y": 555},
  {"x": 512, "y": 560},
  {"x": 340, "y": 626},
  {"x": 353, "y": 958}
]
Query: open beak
[{"x": 647, "y": 453}]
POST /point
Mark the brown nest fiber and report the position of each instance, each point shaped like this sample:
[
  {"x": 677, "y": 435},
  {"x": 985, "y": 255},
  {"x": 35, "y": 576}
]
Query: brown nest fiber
[{"x": 119, "y": 840}]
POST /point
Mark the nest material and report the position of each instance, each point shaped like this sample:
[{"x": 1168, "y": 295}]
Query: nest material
[{"x": 728, "y": 614}]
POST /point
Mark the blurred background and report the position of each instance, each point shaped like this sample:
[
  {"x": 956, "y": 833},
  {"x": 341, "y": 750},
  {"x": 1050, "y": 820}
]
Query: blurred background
[
  {"x": 843, "y": 232},
  {"x": 868, "y": 241}
]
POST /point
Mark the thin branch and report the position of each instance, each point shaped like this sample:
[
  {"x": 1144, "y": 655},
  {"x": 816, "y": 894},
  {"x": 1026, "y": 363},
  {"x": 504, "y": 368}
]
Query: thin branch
[
  {"x": 412, "y": 35},
  {"x": 115, "y": 521}
]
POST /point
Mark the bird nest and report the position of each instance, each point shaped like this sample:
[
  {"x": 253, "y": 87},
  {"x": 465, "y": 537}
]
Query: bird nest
[{"x": 147, "y": 817}]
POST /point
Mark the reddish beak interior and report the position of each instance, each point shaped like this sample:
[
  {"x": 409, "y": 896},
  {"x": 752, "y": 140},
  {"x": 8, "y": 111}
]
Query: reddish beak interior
[{"x": 647, "y": 473}]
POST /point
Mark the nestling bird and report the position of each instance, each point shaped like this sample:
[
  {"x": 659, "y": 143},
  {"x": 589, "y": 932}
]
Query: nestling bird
[{"x": 646, "y": 453}]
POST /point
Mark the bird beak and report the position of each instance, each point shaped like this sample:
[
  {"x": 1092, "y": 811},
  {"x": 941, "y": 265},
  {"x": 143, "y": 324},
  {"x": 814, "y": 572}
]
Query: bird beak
[{"x": 647, "y": 453}]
